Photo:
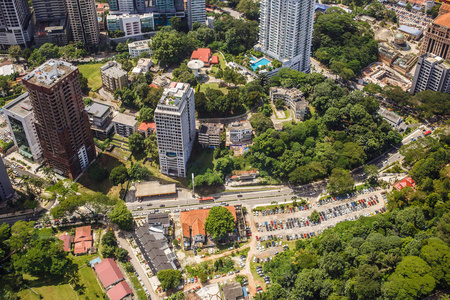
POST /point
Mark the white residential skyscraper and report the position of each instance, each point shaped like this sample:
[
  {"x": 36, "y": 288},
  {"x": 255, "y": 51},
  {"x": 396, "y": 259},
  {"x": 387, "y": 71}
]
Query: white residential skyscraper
[
  {"x": 285, "y": 31},
  {"x": 16, "y": 26},
  {"x": 196, "y": 12},
  {"x": 175, "y": 128}
]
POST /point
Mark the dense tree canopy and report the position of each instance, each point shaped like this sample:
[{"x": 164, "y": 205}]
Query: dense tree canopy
[{"x": 219, "y": 223}]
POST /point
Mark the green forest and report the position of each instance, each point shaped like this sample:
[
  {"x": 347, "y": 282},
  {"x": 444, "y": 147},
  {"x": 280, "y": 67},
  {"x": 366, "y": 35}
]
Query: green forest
[{"x": 401, "y": 254}]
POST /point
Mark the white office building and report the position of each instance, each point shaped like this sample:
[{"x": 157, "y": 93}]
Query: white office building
[
  {"x": 20, "y": 117},
  {"x": 130, "y": 24},
  {"x": 196, "y": 12},
  {"x": 432, "y": 73},
  {"x": 138, "y": 47},
  {"x": 175, "y": 128},
  {"x": 285, "y": 32}
]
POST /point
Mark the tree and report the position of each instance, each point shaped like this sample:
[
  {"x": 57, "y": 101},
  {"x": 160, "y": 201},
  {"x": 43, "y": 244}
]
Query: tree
[
  {"x": 14, "y": 51},
  {"x": 219, "y": 223},
  {"x": 149, "y": 77},
  {"x": 314, "y": 217},
  {"x": 169, "y": 279},
  {"x": 408, "y": 6},
  {"x": 121, "y": 216},
  {"x": 175, "y": 243},
  {"x": 98, "y": 173},
  {"x": 119, "y": 175},
  {"x": 279, "y": 104},
  {"x": 83, "y": 82},
  {"x": 260, "y": 123},
  {"x": 171, "y": 47},
  {"x": 371, "y": 173},
  {"x": 136, "y": 143},
  {"x": 372, "y": 88},
  {"x": 412, "y": 279},
  {"x": 146, "y": 114},
  {"x": 340, "y": 182},
  {"x": 437, "y": 254},
  {"x": 139, "y": 172}
]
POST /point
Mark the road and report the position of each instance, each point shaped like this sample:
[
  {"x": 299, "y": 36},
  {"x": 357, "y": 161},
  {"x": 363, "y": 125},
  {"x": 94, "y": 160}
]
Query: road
[{"x": 234, "y": 13}]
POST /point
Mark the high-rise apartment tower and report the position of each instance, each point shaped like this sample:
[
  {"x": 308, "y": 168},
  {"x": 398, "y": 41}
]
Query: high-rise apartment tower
[
  {"x": 16, "y": 27},
  {"x": 84, "y": 23},
  {"x": 196, "y": 12},
  {"x": 6, "y": 189},
  {"x": 432, "y": 73},
  {"x": 285, "y": 31},
  {"x": 175, "y": 128},
  {"x": 62, "y": 123}
]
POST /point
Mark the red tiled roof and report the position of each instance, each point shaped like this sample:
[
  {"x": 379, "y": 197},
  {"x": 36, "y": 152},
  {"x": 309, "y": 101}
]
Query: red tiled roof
[
  {"x": 67, "y": 241},
  {"x": 119, "y": 291},
  {"x": 203, "y": 54},
  {"x": 443, "y": 20},
  {"x": 146, "y": 125},
  {"x": 408, "y": 181},
  {"x": 196, "y": 219},
  {"x": 82, "y": 247},
  {"x": 153, "y": 86},
  {"x": 83, "y": 234},
  {"x": 108, "y": 272},
  {"x": 215, "y": 59}
]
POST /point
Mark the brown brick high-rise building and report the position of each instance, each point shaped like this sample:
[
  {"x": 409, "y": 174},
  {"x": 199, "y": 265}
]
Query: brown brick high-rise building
[
  {"x": 62, "y": 124},
  {"x": 437, "y": 35}
]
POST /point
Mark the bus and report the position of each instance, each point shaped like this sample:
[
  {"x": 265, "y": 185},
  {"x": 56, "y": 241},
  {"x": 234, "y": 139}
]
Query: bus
[
  {"x": 427, "y": 133},
  {"x": 205, "y": 199}
]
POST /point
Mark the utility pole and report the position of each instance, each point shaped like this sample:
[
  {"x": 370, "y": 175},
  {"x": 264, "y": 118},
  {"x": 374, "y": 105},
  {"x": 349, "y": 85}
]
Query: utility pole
[{"x": 193, "y": 186}]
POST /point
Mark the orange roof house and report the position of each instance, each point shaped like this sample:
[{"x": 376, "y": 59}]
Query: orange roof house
[
  {"x": 407, "y": 181},
  {"x": 119, "y": 291},
  {"x": 203, "y": 54},
  {"x": 83, "y": 240},
  {"x": 147, "y": 128},
  {"x": 194, "y": 222},
  {"x": 215, "y": 60},
  {"x": 108, "y": 272},
  {"x": 67, "y": 241}
]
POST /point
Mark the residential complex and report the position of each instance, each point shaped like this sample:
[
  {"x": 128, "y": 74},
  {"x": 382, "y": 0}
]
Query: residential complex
[
  {"x": 127, "y": 6},
  {"x": 138, "y": 47},
  {"x": 16, "y": 26},
  {"x": 61, "y": 121},
  {"x": 195, "y": 12},
  {"x": 84, "y": 23},
  {"x": 6, "y": 189},
  {"x": 437, "y": 35},
  {"x": 113, "y": 76},
  {"x": 124, "y": 125},
  {"x": 20, "y": 117},
  {"x": 52, "y": 22},
  {"x": 175, "y": 128},
  {"x": 100, "y": 117},
  {"x": 293, "y": 98},
  {"x": 143, "y": 66},
  {"x": 240, "y": 132},
  {"x": 285, "y": 32},
  {"x": 209, "y": 135},
  {"x": 432, "y": 73}
]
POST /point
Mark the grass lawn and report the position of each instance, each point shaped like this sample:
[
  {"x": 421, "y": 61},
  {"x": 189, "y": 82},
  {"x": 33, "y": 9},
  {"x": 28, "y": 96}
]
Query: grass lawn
[
  {"x": 215, "y": 86},
  {"x": 221, "y": 60},
  {"x": 137, "y": 286},
  {"x": 57, "y": 289},
  {"x": 92, "y": 73}
]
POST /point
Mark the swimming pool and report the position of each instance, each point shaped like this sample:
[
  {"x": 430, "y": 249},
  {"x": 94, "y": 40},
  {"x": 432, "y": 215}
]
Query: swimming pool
[{"x": 260, "y": 62}]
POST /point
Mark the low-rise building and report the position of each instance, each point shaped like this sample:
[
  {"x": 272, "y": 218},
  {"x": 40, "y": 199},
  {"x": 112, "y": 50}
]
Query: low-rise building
[
  {"x": 392, "y": 118},
  {"x": 147, "y": 128},
  {"x": 108, "y": 272},
  {"x": 154, "y": 188},
  {"x": 233, "y": 291},
  {"x": 67, "y": 241},
  {"x": 136, "y": 48},
  {"x": 21, "y": 122},
  {"x": 159, "y": 221},
  {"x": 209, "y": 135},
  {"x": 83, "y": 240},
  {"x": 205, "y": 55},
  {"x": 120, "y": 291},
  {"x": 124, "y": 125},
  {"x": 244, "y": 175},
  {"x": 100, "y": 117},
  {"x": 55, "y": 32},
  {"x": 240, "y": 132},
  {"x": 407, "y": 181},
  {"x": 293, "y": 98},
  {"x": 113, "y": 76},
  {"x": 142, "y": 67}
]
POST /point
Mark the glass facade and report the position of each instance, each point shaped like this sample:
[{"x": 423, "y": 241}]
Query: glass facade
[{"x": 20, "y": 137}]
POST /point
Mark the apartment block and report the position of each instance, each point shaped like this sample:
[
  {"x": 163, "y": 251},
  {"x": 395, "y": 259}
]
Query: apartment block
[
  {"x": 61, "y": 122},
  {"x": 138, "y": 47},
  {"x": 6, "y": 189},
  {"x": 113, "y": 76},
  {"x": 437, "y": 35},
  {"x": 124, "y": 125},
  {"x": 285, "y": 31},
  {"x": 84, "y": 23},
  {"x": 100, "y": 117},
  {"x": 16, "y": 26},
  {"x": 293, "y": 98},
  {"x": 209, "y": 135},
  {"x": 175, "y": 128},
  {"x": 196, "y": 12},
  {"x": 432, "y": 73},
  {"x": 20, "y": 117},
  {"x": 240, "y": 132}
]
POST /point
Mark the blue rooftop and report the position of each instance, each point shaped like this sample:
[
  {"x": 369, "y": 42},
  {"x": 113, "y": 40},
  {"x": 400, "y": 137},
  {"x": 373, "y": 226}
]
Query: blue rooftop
[
  {"x": 321, "y": 7},
  {"x": 410, "y": 30},
  {"x": 95, "y": 261}
]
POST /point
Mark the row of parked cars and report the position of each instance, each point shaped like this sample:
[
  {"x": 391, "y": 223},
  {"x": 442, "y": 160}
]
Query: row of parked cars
[
  {"x": 260, "y": 272},
  {"x": 348, "y": 207},
  {"x": 283, "y": 224},
  {"x": 283, "y": 210},
  {"x": 347, "y": 196}
]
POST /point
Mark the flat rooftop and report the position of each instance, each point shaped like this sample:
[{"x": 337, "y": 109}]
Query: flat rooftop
[
  {"x": 20, "y": 106},
  {"x": 153, "y": 188},
  {"x": 97, "y": 109},
  {"x": 172, "y": 95},
  {"x": 49, "y": 73},
  {"x": 113, "y": 69},
  {"x": 125, "y": 119},
  {"x": 211, "y": 128},
  {"x": 240, "y": 126}
]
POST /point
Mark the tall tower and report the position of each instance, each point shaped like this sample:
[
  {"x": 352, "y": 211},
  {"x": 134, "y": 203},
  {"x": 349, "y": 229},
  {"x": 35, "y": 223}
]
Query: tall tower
[
  {"x": 6, "y": 189},
  {"x": 49, "y": 10},
  {"x": 432, "y": 73},
  {"x": 83, "y": 20},
  {"x": 175, "y": 128},
  {"x": 285, "y": 31},
  {"x": 196, "y": 12},
  {"x": 62, "y": 124},
  {"x": 16, "y": 27}
]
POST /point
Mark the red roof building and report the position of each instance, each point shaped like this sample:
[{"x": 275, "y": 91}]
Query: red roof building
[
  {"x": 108, "y": 272},
  {"x": 67, "y": 241},
  {"x": 407, "y": 181},
  {"x": 203, "y": 54},
  {"x": 147, "y": 128},
  {"x": 215, "y": 60},
  {"x": 83, "y": 240},
  {"x": 119, "y": 291}
]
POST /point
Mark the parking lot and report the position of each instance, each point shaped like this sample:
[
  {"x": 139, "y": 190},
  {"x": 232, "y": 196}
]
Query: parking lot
[
  {"x": 276, "y": 226},
  {"x": 410, "y": 18}
]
